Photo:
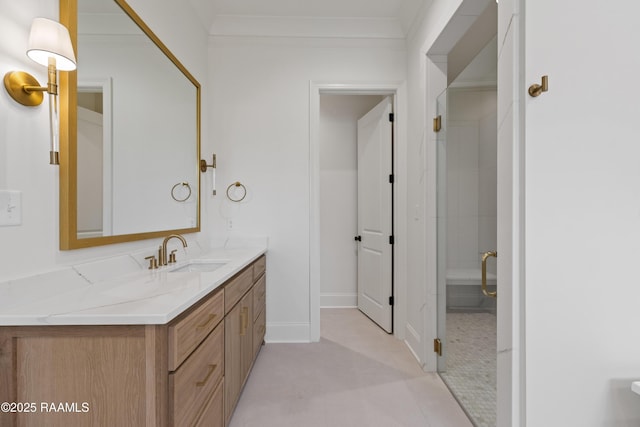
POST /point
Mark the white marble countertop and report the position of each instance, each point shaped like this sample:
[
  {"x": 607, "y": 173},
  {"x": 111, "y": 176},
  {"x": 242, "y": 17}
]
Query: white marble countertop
[{"x": 139, "y": 297}]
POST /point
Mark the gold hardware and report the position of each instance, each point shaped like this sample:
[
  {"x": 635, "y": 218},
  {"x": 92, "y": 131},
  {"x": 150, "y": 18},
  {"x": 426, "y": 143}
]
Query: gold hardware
[
  {"x": 437, "y": 123},
  {"x": 172, "y": 256},
  {"x": 537, "y": 89},
  {"x": 484, "y": 273},
  {"x": 203, "y": 169},
  {"x": 153, "y": 262},
  {"x": 162, "y": 251},
  {"x": 437, "y": 346},
  {"x": 208, "y": 322},
  {"x": 244, "y": 321},
  {"x": 204, "y": 165},
  {"x": 24, "y": 88},
  {"x": 212, "y": 368},
  {"x": 173, "y": 189},
  {"x": 237, "y": 184},
  {"x": 48, "y": 40}
]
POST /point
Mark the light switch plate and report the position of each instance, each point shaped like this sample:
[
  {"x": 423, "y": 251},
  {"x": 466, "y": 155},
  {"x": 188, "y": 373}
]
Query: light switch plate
[{"x": 10, "y": 207}]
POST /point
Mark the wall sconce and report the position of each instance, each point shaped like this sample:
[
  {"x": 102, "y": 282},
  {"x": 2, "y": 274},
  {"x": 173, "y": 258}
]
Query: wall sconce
[{"x": 49, "y": 45}]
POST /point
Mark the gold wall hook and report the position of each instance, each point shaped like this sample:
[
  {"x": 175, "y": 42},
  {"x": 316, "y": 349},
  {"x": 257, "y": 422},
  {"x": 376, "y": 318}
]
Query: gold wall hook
[{"x": 536, "y": 89}]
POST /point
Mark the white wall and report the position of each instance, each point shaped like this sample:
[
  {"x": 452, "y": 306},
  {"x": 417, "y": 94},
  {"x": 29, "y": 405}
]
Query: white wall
[
  {"x": 260, "y": 127},
  {"x": 582, "y": 214},
  {"x": 427, "y": 78},
  {"x": 24, "y": 137},
  {"x": 338, "y": 131}
]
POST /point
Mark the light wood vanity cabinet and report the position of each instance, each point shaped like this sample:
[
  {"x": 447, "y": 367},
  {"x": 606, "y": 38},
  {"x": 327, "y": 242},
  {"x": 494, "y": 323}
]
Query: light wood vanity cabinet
[
  {"x": 192, "y": 384},
  {"x": 189, "y": 372},
  {"x": 240, "y": 327}
]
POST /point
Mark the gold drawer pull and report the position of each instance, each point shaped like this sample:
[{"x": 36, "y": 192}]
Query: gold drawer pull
[
  {"x": 208, "y": 322},
  {"x": 212, "y": 368},
  {"x": 244, "y": 321}
]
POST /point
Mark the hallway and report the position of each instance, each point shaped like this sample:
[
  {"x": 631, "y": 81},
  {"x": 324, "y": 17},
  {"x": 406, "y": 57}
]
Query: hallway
[{"x": 357, "y": 375}]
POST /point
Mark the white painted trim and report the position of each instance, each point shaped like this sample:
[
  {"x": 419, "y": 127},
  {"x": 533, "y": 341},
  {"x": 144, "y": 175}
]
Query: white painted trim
[
  {"x": 287, "y": 332},
  {"x": 399, "y": 90},
  {"x": 338, "y": 300}
]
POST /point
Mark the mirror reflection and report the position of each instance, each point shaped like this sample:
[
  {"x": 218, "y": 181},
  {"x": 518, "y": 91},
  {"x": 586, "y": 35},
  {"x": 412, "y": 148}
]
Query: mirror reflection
[{"x": 137, "y": 129}]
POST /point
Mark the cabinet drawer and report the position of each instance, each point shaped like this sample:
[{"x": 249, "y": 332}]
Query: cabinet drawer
[
  {"x": 213, "y": 415},
  {"x": 236, "y": 288},
  {"x": 187, "y": 333},
  {"x": 259, "y": 294},
  {"x": 193, "y": 384},
  {"x": 259, "y": 329},
  {"x": 259, "y": 266}
]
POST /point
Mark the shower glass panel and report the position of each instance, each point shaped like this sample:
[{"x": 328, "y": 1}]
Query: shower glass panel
[{"x": 466, "y": 176}]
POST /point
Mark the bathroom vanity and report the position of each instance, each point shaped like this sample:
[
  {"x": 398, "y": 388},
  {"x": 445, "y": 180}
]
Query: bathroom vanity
[{"x": 156, "y": 348}]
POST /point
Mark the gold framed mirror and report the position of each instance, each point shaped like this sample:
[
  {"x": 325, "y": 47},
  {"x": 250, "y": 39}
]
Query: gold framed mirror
[{"x": 129, "y": 131}]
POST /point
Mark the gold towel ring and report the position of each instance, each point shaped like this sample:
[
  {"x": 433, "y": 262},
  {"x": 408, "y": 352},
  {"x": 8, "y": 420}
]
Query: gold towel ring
[
  {"x": 173, "y": 189},
  {"x": 237, "y": 184}
]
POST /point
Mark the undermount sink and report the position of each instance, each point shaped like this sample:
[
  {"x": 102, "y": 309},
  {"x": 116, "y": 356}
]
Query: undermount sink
[{"x": 200, "y": 266}]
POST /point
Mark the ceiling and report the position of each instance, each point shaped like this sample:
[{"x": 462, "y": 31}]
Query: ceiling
[{"x": 366, "y": 18}]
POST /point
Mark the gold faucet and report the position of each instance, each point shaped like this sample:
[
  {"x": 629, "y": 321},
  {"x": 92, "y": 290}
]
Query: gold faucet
[{"x": 162, "y": 252}]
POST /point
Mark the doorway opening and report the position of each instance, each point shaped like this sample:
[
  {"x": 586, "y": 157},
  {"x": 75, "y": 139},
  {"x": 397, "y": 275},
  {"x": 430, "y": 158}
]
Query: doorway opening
[
  {"x": 356, "y": 205},
  {"x": 396, "y": 91},
  {"x": 466, "y": 201}
]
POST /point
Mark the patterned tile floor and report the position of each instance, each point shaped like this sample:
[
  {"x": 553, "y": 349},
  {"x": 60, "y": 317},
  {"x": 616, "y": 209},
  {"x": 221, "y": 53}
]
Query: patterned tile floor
[{"x": 471, "y": 364}]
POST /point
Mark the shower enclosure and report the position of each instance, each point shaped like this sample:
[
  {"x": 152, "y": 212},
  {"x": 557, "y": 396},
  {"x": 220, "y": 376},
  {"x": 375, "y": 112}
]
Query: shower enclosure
[{"x": 466, "y": 225}]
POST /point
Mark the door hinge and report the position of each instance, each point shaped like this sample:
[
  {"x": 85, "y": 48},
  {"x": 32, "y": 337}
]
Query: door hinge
[
  {"x": 437, "y": 124},
  {"x": 437, "y": 346},
  {"x": 391, "y": 179},
  {"x": 391, "y": 301},
  {"x": 392, "y": 117},
  {"x": 358, "y": 238},
  {"x": 391, "y": 240}
]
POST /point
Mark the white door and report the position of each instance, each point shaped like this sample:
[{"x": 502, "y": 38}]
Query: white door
[{"x": 375, "y": 249}]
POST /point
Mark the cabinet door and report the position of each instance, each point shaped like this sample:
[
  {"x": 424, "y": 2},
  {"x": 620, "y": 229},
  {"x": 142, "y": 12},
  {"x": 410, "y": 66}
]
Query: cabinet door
[
  {"x": 259, "y": 328},
  {"x": 238, "y": 342},
  {"x": 246, "y": 334}
]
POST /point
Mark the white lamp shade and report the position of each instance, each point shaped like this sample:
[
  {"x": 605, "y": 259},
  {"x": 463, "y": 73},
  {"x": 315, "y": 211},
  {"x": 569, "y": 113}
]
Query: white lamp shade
[{"x": 51, "y": 39}]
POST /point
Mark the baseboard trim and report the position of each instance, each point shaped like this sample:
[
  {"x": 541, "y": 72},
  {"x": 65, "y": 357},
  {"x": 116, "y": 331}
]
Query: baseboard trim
[
  {"x": 287, "y": 333},
  {"x": 338, "y": 300}
]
